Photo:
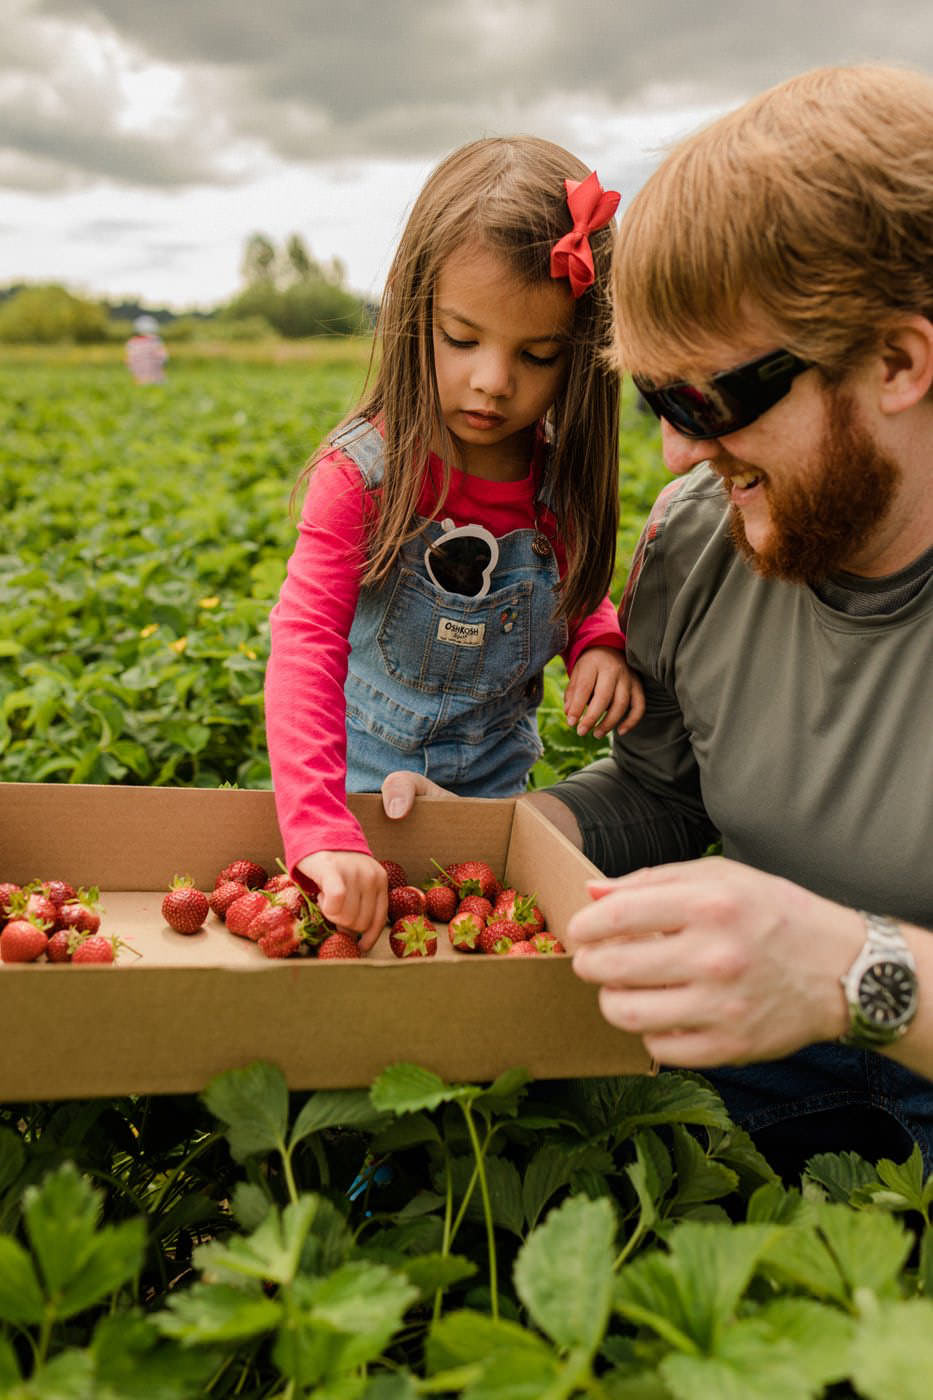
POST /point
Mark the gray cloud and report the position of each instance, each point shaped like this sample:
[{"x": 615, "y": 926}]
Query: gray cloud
[{"x": 311, "y": 81}]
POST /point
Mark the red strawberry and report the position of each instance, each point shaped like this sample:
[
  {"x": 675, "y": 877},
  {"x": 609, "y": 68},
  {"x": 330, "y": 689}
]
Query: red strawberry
[
  {"x": 472, "y": 877},
  {"x": 522, "y": 949},
  {"x": 243, "y": 911},
  {"x": 395, "y": 872},
  {"x": 476, "y": 904},
  {"x": 520, "y": 909},
  {"x": 7, "y": 890},
  {"x": 405, "y": 899},
  {"x": 498, "y": 938},
  {"x": 440, "y": 902},
  {"x": 464, "y": 931},
  {"x": 222, "y": 896},
  {"x": 94, "y": 949},
  {"x": 413, "y": 936},
  {"x": 246, "y": 871},
  {"x": 33, "y": 903},
  {"x": 281, "y": 939},
  {"x": 547, "y": 943},
  {"x": 61, "y": 945},
  {"x": 58, "y": 891},
  {"x": 81, "y": 913},
  {"x": 339, "y": 945},
  {"x": 22, "y": 940},
  {"x": 184, "y": 908},
  {"x": 278, "y": 881},
  {"x": 274, "y": 919}
]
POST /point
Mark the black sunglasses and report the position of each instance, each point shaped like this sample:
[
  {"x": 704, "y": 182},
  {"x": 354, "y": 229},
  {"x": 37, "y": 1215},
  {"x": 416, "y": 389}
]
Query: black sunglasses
[
  {"x": 462, "y": 559},
  {"x": 735, "y": 398}
]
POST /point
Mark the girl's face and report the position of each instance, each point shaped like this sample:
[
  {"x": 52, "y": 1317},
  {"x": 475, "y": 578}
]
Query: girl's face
[{"x": 501, "y": 351}]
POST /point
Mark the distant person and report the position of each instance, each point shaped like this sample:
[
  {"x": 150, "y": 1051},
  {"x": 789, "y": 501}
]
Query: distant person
[
  {"x": 145, "y": 352},
  {"x": 459, "y": 527}
]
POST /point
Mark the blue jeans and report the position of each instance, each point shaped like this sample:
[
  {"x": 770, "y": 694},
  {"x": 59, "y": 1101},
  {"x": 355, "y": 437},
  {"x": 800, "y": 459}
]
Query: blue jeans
[{"x": 829, "y": 1098}]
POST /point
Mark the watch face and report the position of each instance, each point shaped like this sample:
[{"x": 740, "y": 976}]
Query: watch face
[{"x": 886, "y": 993}]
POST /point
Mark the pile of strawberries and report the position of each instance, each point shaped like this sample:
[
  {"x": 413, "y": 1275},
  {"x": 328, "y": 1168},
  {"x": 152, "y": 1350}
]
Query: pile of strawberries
[
  {"x": 50, "y": 919},
  {"x": 272, "y": 911},
  {"x": 481, "y": 916}
]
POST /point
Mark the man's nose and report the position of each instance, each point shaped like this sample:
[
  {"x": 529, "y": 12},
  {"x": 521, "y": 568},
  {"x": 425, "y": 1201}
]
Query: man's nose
[{"x": 682, "y": 454}]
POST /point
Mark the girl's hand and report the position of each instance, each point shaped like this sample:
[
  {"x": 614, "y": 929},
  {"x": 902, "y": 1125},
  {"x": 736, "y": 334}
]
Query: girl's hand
[
  {"x": 354, "y": 891},
  {"x": 604, "y": 692}
]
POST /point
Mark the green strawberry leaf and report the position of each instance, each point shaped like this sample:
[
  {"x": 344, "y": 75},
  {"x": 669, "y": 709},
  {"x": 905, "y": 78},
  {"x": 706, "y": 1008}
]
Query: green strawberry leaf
[
  {"x": 133, "y": 1362},
  {"x": 563, "y": 1273},
  {"x": 892, "y": 1353},
  {"x": 869, "y": 1247},
  {"x": 9, "y": 1370},
  {"x": 466, "y": 1337},
  {"x": 253, "y": 1103},
  {"x": 821, "y": 1336},
  {"x": 841, "y": 1174},
  {"x": 61, "y": 1217},
  {"x": 748, "y": 1364},
  {"x": 407, "y": 1088},
  {"x": 333, "y": 1108},
  {"x": 113, "y": 1259},
  {"x": 699, "y": 1178},
  {"x": 271, "y": 1253},
  {"x": 217, "y": 1312},
  {"x": 68, "y": 1376}
]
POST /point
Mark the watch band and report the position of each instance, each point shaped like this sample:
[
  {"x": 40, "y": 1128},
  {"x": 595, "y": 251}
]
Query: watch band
[{"x": 886, "y": 964}]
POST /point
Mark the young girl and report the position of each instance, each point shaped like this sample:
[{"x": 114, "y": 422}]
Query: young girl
[{"x": 459, "y": 528}]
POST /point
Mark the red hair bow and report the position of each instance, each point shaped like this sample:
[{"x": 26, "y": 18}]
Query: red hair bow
[{"x": 591, "y": 207}]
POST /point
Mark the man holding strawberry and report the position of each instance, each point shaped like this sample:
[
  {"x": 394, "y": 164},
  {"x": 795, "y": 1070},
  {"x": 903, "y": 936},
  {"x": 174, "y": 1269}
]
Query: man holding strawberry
[{"x": 780, "y": 613}]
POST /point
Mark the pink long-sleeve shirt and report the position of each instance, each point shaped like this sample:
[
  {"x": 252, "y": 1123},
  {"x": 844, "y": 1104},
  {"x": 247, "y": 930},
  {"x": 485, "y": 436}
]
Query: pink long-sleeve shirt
[{"x": 310, "y": 627}]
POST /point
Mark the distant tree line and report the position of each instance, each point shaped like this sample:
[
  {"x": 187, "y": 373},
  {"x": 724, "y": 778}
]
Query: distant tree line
[{"x": 285, "y": 292}]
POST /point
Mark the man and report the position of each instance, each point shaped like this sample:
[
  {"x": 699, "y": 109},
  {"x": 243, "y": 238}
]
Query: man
[{"x": 774, "y": 302}]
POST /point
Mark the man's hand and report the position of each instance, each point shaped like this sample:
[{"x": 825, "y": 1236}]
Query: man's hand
[
  {"x": 354, "y": 891},
  {"x": 400, "y": 789},
  {"x": 714, "y": 963}
]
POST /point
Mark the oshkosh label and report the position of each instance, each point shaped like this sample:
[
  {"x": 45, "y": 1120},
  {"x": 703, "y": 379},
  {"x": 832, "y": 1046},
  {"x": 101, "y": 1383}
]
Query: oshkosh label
[{"x": 462, "y": 634}]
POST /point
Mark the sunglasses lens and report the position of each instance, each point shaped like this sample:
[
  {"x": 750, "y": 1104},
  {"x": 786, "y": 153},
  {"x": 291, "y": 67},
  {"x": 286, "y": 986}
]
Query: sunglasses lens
[
  {"x": 458, "y": 564},
  {"x": 737, "y": 397}
]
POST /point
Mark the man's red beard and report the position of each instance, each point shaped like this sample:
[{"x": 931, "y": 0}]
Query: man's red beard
[{"x": 824, "y": 518}]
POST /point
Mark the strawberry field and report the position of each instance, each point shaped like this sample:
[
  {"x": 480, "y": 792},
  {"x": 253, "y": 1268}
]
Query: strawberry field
[{"x": 619, "y": 1239}]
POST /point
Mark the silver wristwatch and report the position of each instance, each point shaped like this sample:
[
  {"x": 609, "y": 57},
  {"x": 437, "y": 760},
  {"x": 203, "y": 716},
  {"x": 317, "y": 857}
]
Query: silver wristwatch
[{"x": 880, "y": 987}]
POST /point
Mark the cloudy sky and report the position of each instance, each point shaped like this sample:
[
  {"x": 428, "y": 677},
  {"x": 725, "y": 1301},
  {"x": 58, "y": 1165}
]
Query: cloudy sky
[{"x": 141, "y": 143}]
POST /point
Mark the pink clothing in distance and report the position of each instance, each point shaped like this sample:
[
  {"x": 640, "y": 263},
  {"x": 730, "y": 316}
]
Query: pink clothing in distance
[{"x": 310, "y": 627}]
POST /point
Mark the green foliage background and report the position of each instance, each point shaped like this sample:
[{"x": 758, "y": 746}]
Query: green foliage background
[{"x": 146, "y": 533}]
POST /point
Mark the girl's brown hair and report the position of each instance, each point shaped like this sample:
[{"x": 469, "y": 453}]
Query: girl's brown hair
[
  {"x": 508, "y": 195},
  {"x": 809, "y": 209}
]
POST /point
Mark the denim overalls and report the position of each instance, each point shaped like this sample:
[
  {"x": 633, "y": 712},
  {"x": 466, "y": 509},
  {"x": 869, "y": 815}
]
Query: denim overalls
[{"x": 445, "y": 685}]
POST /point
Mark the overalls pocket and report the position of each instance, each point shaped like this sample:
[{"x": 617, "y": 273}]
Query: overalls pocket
[{"x": 439, "y": 642}]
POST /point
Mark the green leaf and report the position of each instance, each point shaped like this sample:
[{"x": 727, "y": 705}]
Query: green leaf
[
  {"x": 841, "y": 1174},
  {"x": 134, "y": 1363},
  {"x": 892, "y": 1354},
  {"x": 564, "y": 1275},
  {"x": 331, "y": 1108},
  {"x": 904, "y": 1182},
  {"x": 405, "y": 1132},
  {"x": 869, "y": 1247},
  {"x": 429, "y": 1272},
  {"x": 217, "y": 1312},
  {"x": 549, "y": 1169},
  {"x": 361, "y": 1298},
  {"x": 407, "y": 1088},
  {"x": 68, "y": 1376},
  {"x": 114, "y": 1257},
  {"x": 645, "y": 1100},
  {"x": 464, "y": 1337},
  {"x": 820, "y": 1334},
  {"x": 748, "y": 1364},
  {"x": 271, "y": 1253},
  {"x": 21, "y": 1298},
  {"x": 698, "y": 1178},
  {"x": 505, "y": 1194},
  {"x": 9, "y": 1370},
  {"x": 249, "y": 1205},
  {"x": 693, "y": 1291},
  {"x": 253, "y": 1103},
  {"x": 505, "y": 1094},
  {"x": 61, "y": 1216}
]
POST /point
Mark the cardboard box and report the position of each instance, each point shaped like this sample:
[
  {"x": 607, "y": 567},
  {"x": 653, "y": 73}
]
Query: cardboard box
[{"x": 189, "y": 1007}]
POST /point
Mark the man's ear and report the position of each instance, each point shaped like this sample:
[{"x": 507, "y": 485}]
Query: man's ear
[{"x": 906, "y": 359}]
